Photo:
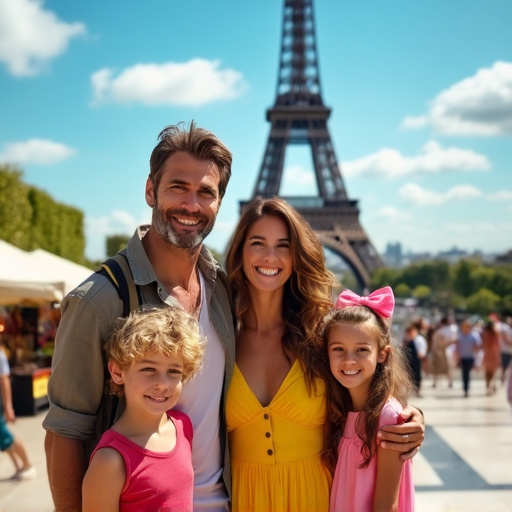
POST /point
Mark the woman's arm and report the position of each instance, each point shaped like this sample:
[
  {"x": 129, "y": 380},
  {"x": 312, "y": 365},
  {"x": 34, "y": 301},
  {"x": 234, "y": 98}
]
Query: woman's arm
[
  {"x": 407, "y": 437},
  {"x": 103, "y": 482},
  {"x": 389, "y": 471}
]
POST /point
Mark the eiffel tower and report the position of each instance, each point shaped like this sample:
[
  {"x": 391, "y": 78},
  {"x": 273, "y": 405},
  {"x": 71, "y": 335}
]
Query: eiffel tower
[{"x": 299, "y": 116}]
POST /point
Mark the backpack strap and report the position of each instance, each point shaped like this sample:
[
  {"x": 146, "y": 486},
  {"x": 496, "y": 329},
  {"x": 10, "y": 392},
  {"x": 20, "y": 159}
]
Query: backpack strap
[{"x": 117, "y": 270}]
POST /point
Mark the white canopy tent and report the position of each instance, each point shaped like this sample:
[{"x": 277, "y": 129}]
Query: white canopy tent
[
  {"x": 35, "y": 278},
  {"x": 70, "y": 272}
]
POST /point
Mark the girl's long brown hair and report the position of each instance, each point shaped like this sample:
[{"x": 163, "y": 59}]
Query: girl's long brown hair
[
  {"x": 307, "y": 294},
  {"x": 391, "y": 378}
]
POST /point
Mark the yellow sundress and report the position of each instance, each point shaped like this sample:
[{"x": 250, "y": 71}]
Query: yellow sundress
[{"x": 275, "y": 450}]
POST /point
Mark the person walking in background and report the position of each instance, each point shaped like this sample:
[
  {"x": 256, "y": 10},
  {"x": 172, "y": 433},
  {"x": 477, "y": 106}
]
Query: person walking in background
[
  {"x": 492, "y": 356},
  {"x": 415, "y": 346},
  {"x": 468, "y": 346},
  {"x": 276, "y": 401},
  {"x": 150, "y": 355},
  {"x": 444, "y": 340},
  {"x": 9, "y": 443},
  {"x": 509, "y": 389},
  {"x": 425, "y": 329},
  {"x": 189, "y": 171},
  {"x": 368, "y": 389},
  {"x": 505, "y": 331}
]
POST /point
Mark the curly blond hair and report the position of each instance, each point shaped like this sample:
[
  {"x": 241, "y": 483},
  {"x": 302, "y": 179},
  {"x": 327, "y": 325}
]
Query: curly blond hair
[{"x": 168, "y": 330}]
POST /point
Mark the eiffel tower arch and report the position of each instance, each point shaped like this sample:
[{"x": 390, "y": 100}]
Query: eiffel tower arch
[{"x": 299, "y": 116}]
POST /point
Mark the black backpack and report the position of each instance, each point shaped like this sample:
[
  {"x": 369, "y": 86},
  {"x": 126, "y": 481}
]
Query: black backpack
[{"x": 117, "y": 270}]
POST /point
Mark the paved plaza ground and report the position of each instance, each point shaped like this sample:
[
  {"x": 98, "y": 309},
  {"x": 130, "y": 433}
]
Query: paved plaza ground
[{"x": 465, "y": 464}]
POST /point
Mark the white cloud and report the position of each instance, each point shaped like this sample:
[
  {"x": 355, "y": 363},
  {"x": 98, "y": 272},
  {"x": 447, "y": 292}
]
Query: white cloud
[
  {"x": 35, "y": 151},
  {"x": 298, "y": 181},
  {"x": 412, "y": 123},
  {"x": 193, "y": 83},
  {"x": 30, "y": 36},
  {"x": 476, "y": 227},
  {"x": 116, "y": 223},
  {"x": 423, "y": 197},
  {"x": 478, "y": 105},
  {"x": 392, "y": 214},
  {"x": 500, "y": 195},
  {"x": 390, "y": 163},
  {"x": 298, "y": 175}
]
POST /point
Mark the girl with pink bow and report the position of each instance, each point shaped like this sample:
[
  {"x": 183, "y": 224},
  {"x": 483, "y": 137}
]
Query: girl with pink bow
[{"x": 367, "y": 389}]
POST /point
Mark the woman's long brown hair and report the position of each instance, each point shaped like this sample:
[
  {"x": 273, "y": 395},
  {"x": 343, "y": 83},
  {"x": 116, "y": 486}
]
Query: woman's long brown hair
[{"x": 307, "y": 294}]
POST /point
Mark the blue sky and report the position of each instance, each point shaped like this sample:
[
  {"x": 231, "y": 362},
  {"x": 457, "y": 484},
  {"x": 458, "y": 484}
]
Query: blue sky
[{"x": 421, "y": 98}]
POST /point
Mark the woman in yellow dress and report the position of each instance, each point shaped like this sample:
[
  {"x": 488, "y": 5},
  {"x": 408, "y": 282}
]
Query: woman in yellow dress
[
  {"x": 275, "y": 408},
  {"x": 276, "y": 402}
]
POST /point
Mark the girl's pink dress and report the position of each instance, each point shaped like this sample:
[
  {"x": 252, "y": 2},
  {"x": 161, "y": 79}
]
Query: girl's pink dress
[{"x": 353, "y": 487}]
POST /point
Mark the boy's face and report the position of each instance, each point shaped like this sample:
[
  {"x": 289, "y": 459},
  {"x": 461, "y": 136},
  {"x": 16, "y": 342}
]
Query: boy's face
[{"x": 153, "y": 384}]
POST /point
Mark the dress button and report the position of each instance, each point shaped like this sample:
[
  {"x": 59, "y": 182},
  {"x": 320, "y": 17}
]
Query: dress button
[
  {"x": 270, "y": 452},
  {"x": 267, "y": 434},
  {"x": 265, "y": 416}
]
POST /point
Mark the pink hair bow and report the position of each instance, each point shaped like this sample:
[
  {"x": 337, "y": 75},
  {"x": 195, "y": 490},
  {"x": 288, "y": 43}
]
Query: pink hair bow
[{"x": 382, "y": 301}]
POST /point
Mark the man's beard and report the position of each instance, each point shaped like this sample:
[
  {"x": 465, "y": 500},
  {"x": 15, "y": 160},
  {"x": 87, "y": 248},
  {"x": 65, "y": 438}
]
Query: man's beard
[{"x": 163, "y": 227}]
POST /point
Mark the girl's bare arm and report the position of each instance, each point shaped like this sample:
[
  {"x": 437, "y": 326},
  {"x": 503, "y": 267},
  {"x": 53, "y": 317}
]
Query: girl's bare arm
[{"x": 389, "y": 471}]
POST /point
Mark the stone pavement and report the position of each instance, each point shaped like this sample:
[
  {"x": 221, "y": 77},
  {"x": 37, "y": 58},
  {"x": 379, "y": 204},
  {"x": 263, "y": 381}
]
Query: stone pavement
[{"x": 465, "y": 464}]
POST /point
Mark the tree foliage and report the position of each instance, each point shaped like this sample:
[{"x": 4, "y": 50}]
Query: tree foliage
[
  {"x": 30, "y": 219},
  {"x": 116, "y": 243},
  {"x": 15, "y": 208},
  {"x": 483, "y": 301},
  {"x": 469, "y": 285}
]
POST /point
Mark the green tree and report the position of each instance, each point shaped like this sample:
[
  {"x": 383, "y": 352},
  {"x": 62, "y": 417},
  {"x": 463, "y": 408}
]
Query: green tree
[
  {"x": 45, "y": 221},
  {"x": 30, "y": 219},
  {"x": 385, "y": 276},
  {"x": 116, "y": 243},
  {"x": 402, "y": 290},
  {"x": 466, "y": 286},
  {"x": 435, "y": 274},
  {"x": 483, "y": 302},
  {"x": 502, "y": 280},
  {"x": 506, "y": 306},
  {"x": 423, "y": 293},
  {"x": 462, "y": 282},
  {"x": 15, "y": 208},
  {"x": 483, "y": 277}
]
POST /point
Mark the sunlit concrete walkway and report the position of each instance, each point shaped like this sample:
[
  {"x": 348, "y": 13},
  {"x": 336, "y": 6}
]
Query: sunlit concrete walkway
[{"x": 465, "y": 464}]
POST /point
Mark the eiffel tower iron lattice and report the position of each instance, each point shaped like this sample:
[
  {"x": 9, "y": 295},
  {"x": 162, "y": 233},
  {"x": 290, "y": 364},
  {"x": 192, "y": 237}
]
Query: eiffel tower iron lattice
[{"x": 299, "y": 116}]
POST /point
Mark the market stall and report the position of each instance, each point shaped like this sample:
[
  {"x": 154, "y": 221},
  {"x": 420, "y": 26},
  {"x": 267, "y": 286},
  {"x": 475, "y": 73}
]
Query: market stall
[{"x": 32, "y": 285}]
